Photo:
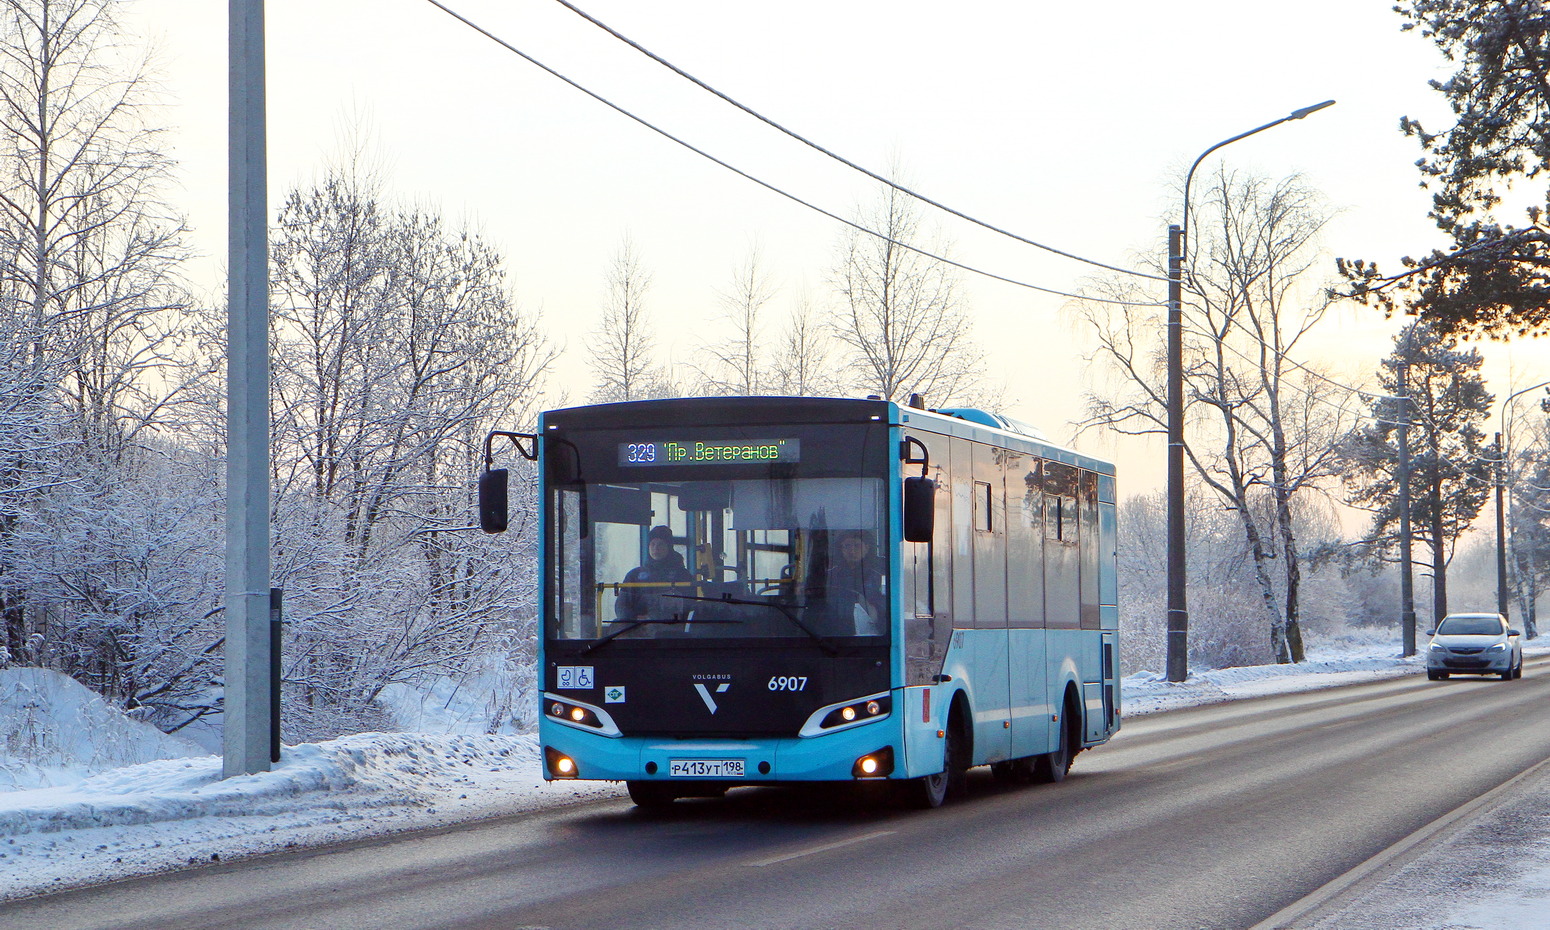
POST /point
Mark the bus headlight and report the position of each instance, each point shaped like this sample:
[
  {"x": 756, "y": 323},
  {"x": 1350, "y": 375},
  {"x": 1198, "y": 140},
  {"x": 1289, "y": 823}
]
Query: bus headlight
[
  {"x": 573, "y": 713},
  {"x": 859, "y": 711},
  {"x": 853, "y": 713}
]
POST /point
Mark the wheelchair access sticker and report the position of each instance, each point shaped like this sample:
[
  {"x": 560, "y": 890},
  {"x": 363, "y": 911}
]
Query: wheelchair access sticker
[{"x": 574, "y": 677}]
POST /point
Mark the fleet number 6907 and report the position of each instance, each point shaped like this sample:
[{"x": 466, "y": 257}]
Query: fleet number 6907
[{"x": 788, "y": 683}]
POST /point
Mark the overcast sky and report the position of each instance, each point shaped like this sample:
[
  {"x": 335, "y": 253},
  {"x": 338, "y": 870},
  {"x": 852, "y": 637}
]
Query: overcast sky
[{"x": 1066, "y": 123}]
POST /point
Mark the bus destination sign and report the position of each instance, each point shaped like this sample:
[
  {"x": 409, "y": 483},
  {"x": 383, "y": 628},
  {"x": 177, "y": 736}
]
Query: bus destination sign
[{"x": 710, "y": 452}]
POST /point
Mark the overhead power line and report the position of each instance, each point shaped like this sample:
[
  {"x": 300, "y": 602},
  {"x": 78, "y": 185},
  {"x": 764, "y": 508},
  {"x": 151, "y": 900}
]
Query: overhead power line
[
  {"x": 765, "y": 184},
  {"x": 840, "y": 158}
]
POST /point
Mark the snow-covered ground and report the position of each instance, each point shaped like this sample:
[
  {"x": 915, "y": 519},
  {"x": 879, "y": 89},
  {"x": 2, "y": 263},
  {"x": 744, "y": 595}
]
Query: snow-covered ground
[{"x": 87, "y": 795}]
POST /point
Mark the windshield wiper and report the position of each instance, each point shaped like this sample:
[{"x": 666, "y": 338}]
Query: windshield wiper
[
  {"x": 637, "y": 624},
  {"x": 784, "y": 610}
]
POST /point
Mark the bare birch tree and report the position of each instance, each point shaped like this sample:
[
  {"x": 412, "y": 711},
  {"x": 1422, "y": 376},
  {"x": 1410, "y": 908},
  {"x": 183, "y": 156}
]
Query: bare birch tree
[
  {"x": 903, "y": 324},
  {"x": 622, "y": 348},
  {"x": 802, "y": 365},
  {"x": 1264, "y": 426},
  {"x": 736, "y": 365}
]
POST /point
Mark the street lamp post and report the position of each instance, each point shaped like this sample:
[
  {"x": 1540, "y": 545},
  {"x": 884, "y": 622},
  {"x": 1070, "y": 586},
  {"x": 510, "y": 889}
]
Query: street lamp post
[
  {"x": 1178, "y": 614},
  {"x": 1501, "y": 513}
]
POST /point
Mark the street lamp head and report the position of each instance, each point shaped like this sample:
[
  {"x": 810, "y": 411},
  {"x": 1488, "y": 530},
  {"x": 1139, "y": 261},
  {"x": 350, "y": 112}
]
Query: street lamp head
[{"x": 1299, "y": 114}]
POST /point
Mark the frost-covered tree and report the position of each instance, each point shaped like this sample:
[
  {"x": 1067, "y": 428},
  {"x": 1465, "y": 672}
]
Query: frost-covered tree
[
  {"x": 1529, "y": 517},
  {"x": 88, "y": 302},
  {"x": 1223, "y": 588},
  {"x": 396, "y": 346},
  {"x": 1495, "y": 280}
]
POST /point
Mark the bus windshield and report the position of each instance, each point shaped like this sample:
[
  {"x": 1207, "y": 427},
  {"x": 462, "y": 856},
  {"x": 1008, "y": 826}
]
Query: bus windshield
[{"x": 727, "y": 539}]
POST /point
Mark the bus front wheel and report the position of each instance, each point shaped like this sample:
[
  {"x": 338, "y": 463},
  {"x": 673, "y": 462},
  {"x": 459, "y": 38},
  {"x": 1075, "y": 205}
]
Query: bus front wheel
[
  {"x": 934, "y": 790},
  {"x": 651, "y": 795}
]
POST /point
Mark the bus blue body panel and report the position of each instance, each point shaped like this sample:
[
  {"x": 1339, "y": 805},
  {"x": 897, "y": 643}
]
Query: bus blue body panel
[{"x": 1030, "y": 709}]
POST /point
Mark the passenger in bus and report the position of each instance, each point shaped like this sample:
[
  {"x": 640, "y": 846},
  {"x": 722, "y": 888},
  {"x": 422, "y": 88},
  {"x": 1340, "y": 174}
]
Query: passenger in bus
[
  {"x": 662, "y": 573},
  {"x": 854, "y": 587}
]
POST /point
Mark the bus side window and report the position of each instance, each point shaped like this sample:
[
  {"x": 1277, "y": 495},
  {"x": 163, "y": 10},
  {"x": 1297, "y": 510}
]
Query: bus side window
[
  {"x": 1089, "y": 549},
  {"x": 1025, "y": 544}
]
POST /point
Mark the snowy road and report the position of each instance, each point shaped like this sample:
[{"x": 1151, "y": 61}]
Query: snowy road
[{"x": 1210, "y": 817}]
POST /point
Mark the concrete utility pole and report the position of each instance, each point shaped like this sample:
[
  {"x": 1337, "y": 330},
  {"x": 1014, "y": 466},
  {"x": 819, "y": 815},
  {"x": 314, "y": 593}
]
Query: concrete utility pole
[
  {"x": 1501, "y": 531},
  {"x": 1406, "y": 582},
  {"x": 1178, "y": 243},
  {"x": 246, "y": 740},
  {"x": 1178, "y": 611}
]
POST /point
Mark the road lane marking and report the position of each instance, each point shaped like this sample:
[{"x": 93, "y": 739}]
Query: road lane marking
[
  {"x": 1321, "y": 902},
  {"x": 837, "y": 844}
]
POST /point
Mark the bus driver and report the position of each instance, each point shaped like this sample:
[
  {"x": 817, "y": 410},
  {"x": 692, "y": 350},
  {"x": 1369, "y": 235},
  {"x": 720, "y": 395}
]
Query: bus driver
[{"x": 641, "y": 596}]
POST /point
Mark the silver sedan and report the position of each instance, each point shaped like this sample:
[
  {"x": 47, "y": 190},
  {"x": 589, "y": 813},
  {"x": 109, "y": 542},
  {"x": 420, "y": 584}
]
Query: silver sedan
[{"x": 1474, "y": 644}]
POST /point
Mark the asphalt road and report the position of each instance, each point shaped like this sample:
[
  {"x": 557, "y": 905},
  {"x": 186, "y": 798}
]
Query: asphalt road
[{"x": 1214, "y": 817}]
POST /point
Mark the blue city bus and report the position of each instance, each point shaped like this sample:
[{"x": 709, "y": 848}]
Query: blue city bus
[{"x": 767, "y": 590}]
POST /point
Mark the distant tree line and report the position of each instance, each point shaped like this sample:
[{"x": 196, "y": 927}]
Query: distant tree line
[{"x": 892, "y": 323}]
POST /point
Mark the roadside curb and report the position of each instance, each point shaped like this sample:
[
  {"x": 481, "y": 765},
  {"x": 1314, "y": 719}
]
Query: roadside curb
[{"x": 1351, "y": 886}]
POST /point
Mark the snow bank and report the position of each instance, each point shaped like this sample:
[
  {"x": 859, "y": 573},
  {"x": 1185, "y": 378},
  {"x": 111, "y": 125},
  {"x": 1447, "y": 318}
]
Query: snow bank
[
  {"x": 1349, "y": 659},
  {"x": 364, "y": 771},
  {"x": 168, "y": 814},
  {"x": 56, "y": 731}
]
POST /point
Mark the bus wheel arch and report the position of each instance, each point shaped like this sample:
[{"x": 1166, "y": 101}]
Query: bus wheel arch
[
  {"x": 937, "y": 789},
  {"x": 959, "y": 751}
]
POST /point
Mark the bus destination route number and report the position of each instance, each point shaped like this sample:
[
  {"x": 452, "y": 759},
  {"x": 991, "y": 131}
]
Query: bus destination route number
[
  {"x": 710, "y": 451},
  {"x": 705, "y": 768}
]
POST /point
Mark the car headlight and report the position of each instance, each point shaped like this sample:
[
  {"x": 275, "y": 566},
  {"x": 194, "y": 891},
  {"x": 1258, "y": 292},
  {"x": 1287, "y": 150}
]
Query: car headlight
[
  {"x": 1497, "y": 648},
  {"x": 1438, "y": 647}
]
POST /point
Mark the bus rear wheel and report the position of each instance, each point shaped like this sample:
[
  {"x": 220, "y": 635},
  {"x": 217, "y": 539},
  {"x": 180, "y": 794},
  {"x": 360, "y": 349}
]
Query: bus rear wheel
[
  {"x": 651, "y": 795},
  {"x": 1053, "y": 766}
]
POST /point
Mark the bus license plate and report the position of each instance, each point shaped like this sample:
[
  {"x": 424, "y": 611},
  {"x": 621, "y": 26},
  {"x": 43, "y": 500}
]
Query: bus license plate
[{"x": 705, "y": 768}]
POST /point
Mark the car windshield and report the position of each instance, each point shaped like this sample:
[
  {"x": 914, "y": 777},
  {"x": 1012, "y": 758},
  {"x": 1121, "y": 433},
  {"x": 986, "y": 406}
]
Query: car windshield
[{"x": 1470, "y": 626}]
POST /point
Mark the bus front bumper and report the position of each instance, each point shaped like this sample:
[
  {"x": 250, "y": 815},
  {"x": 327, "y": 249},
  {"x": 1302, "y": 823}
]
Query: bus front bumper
[{"x": 831, "y": 757}]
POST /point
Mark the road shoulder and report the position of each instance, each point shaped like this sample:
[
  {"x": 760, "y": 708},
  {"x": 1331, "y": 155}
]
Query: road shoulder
[{"x": 1446, "y": 875}]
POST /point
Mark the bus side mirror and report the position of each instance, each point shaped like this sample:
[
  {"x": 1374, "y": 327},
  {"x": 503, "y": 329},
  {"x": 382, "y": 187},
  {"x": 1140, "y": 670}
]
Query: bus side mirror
[
  {"x": 919, "y": 509},
  {"x": 492, "y": 501}
]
